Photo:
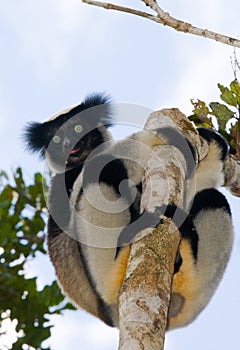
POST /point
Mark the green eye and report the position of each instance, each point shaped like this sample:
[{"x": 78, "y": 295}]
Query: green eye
[
  {"x": 56, "y": 139},
  {"x": 78, "y": 128}
]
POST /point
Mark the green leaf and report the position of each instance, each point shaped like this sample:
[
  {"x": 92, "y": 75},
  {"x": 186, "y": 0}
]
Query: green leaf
[
  {"x": 228, "y": 96},
  {"x": 52, "y": 294},
  {"x": 233, "y": 133},
  {"x": 222, "y": 113},
  {"x": 200, "y": 108},
  {"x": 235, "y": 88},
  {"x": 201, "y": 113},
  {"x": 18, "y": 177}
]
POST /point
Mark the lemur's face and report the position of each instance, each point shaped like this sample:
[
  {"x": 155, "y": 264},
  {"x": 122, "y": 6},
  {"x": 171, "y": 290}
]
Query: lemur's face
[
  {"x": 69, "y": 144},
  {"x": 67, "y": 139}
]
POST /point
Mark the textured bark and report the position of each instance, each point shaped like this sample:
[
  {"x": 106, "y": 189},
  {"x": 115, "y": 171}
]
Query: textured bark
[
  {"x": 232, "y": 176},
  {"x": 145, "y": 294}
]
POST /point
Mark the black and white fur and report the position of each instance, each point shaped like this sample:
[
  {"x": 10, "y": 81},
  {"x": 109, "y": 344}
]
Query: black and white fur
[{"x": 94, "y": 207}]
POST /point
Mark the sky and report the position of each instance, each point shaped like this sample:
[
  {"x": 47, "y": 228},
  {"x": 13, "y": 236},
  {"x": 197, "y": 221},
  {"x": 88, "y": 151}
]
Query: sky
[{"x": 55, "y": 52}]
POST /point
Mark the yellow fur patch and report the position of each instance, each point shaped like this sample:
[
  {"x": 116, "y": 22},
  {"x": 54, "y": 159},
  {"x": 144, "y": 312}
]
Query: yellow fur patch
[
  {"x": 116, "y": 276},
  {"x": 186, "y": 284}
]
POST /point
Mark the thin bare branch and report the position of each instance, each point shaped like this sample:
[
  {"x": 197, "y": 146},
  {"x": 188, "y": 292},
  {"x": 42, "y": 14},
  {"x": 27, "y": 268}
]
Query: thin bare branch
[
  {"x": 108, "y": 6},
  {"x": 166, "y": 19}
]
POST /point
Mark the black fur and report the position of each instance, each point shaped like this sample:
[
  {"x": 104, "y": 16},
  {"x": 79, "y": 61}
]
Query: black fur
[
  {"x": 59, "y": 206},
  {"x": 109, "y": 170},
  {"x": 185, "y": 223},
  {"x": 211, "y": 135},
  {"x": 89, "y": 114},
  {"x": 178, "y": 262},
  {"x": 209, "y": 199},
  {"x": 104, "y": 110},
  {"x": 37, "y": 136},
  {"x": 174, "y": 138}
]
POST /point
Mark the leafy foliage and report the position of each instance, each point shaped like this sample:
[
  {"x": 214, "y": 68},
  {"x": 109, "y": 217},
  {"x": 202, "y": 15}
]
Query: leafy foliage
[
  {"x": 22, "y": 222},
  {"x": 227, "y": 115}
]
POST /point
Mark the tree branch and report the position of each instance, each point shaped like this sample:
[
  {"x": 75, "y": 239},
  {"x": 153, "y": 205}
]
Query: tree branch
[
  {"x": 145, "y": 294},
  {"x": 166, "y": 19},
  {"x": 109, "y": 6},
  {"x": 232, "y": 175}
]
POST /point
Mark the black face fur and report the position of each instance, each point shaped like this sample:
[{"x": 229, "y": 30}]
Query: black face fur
[{"x": 69, "y": 138}]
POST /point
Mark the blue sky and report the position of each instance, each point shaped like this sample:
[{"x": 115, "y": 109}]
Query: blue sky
[{"x": 55, "y": 52}]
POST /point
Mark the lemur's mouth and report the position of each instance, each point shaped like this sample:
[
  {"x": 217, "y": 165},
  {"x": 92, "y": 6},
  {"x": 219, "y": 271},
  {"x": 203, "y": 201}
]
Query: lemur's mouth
[{"x": 74, "y": 151}]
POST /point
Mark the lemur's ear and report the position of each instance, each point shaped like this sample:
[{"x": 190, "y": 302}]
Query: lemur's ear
[
  {"x": 97, "y": 107},
  {"x": 35, "y": 137}
]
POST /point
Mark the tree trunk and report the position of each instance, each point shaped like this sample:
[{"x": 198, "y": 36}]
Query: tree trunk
[{"x": 145, "y": 294}]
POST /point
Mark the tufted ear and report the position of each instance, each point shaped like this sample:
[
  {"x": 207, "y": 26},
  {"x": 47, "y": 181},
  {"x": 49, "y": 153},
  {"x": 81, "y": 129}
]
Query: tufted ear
[
  {"x": 35, "y": 137},
  {"x": 96, "y": 108},
  {"x": 104, "y": 108}
]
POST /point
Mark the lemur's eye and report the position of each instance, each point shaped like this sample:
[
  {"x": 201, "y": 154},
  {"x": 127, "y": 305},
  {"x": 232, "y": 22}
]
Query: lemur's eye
[
  {"x": 56, "y": 139},
  {"x": 78, "y": 128}
]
